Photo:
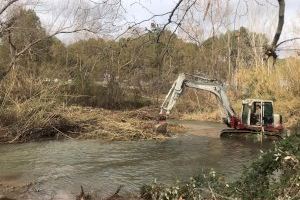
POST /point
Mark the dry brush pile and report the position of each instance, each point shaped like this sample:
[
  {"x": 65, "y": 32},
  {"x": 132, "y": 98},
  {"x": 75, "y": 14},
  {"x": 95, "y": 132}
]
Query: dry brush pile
[
  {"x": 76, "y": 122},
  {"x": 29, "y": 110},
  {"x": 34, "y": 109},
  {"x": 117, "y": 125}
]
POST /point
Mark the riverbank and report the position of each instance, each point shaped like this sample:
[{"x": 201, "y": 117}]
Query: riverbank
[{"x": 76, "y": 122}]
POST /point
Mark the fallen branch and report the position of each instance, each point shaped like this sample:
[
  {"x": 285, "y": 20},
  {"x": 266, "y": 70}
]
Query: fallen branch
[
  {"x": 116, "y": 195},
  {"x": 83, "y": 196},
  {"x": 65, "y": 135}
]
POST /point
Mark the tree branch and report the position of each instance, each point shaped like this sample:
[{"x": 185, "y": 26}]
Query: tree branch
[
  {"x": 280, "y": 23},
  {"x": 270, "y": 51},
  {"x": 170, "y": 18},
  {"x": 206, "y": 10},
  {"x": 288, "y": 40},
  {"x": 5, "y": 7},
  {"x": 16, "y": 55}
]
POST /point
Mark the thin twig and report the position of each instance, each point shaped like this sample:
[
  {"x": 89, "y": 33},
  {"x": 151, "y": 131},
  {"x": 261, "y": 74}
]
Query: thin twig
[
  {"x": 170, "y": 19},
  {"x": 63, "y": 133},
  {"x": 7, "y": 6}
]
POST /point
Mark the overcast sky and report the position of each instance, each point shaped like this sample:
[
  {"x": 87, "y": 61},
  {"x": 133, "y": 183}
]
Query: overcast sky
[
  {"x": 146, "y": 8},
  {"x": 259, "y": 18},
  {"x": 136, "y": 11}
]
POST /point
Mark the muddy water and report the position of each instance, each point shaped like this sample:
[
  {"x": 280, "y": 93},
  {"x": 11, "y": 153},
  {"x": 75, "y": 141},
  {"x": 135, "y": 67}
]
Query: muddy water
[{"x": 59, "y": 167}]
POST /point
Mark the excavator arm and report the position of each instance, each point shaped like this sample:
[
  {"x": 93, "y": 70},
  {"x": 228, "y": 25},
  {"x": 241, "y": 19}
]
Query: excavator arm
[{"x": 201, "y": 83}]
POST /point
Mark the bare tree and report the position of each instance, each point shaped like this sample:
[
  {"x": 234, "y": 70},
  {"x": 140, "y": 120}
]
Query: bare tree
[
  {"x": 217, "y": 16},
  {"x": 270, "y": 51},
  {"x": 81, "y": 16}
]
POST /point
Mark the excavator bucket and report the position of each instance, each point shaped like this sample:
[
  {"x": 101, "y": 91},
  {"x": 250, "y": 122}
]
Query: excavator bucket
[{"x": 161, "y": 125}]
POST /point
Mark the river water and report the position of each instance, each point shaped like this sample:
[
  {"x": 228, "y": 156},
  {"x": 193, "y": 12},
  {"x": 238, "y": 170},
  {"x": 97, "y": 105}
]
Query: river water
[{"x": 59, "y": 167}]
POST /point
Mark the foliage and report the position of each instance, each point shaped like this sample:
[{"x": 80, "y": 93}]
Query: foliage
[
  {"x": 132, "y": 72},
  {"x": 226, "y": 53},
  {"x": 276, "y": 174},
  {"x": 116, "y": 74},
  {"x": 26, "y": 28}
]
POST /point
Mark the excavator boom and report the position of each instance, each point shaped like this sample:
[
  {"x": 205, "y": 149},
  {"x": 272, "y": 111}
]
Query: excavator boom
[
  {"x": 257, "y": 115},
  {"x": 201, "y": 83}
]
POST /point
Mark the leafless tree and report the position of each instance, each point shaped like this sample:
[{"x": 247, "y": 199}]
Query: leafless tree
[
  {"x": 217, "y": 15},
  {"x": 270, "y": 51},
  {"x": 80, "y": 16}
]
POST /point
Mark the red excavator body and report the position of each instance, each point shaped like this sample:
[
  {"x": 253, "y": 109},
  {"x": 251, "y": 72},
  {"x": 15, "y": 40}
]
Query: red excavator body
[{"x": 256, "y": 116}]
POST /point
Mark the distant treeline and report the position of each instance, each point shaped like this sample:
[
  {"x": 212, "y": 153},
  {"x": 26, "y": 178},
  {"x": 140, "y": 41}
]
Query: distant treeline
[{"x": 107, "y": 73}]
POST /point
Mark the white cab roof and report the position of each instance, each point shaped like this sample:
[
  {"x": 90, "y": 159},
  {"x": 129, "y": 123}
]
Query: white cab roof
[{"x": 250, "y": 101}]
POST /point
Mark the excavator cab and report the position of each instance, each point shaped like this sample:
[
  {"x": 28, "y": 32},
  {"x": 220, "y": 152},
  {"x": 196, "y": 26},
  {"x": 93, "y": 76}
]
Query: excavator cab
[{"x": 258, "y": 113}]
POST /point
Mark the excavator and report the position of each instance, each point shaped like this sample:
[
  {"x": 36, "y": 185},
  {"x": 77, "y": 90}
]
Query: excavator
[{"x": 256, "y": 116}]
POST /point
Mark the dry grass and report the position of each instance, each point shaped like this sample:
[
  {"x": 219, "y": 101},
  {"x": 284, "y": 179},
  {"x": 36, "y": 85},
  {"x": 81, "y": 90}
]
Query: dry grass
[
  {"x": 282, "y": 85},
  {"x": 29, "y": 110},
  {"x": 32, "y": 109},
  {"x": 116, "y": 125},
  {"x": 203, "y": 116}
]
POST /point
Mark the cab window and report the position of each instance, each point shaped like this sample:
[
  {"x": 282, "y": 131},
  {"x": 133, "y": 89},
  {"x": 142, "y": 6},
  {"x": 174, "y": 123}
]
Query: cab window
[
  {"x": 268, "y": 113},
  {"x": 245, "y": 114}
]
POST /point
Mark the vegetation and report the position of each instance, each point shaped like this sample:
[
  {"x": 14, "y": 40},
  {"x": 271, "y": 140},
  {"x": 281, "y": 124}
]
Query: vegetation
[
  {"x": 112, "y": 89},
  {"x": 130, "y": 73},
  {"x": 280, "y": 85}
]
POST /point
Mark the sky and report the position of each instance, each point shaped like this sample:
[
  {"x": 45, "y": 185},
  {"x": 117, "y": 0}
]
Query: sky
[
  {"x": 259, "y": 18},
  {"x": 262, "y": 18},
  {"x": 146, "y": 8},
  {"x": 139, "y": 12}
]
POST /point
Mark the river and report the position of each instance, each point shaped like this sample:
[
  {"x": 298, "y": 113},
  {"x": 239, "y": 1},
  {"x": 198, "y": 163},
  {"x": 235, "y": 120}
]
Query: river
[{"x": 58, "y": 168}]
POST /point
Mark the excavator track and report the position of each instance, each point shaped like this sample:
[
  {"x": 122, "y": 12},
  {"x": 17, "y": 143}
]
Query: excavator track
[{"x": 230, "y": 132}]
